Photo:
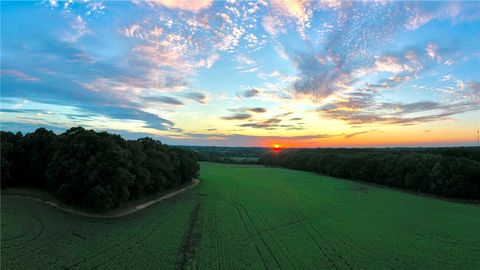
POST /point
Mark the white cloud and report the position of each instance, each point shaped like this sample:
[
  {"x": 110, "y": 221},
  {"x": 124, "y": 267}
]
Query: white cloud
[
  {"x": 228, "y": 41},
  {"x": 432, "y": 50},
  {"x": 245, "y": 64},
  {"x": 252, "y": 40},
  {"x": 281, "y": 51},
  {"x": 187, "y": 5},
  {"x": 389, "y": 64},
  {"x": 133, "y": 30},
  {"x": 297, "y": 10},
  {"x": 54, "y": 3},
  {"x": 449, "y": 62},
  {"x": 79, "y": 27},
  {"x": 208, "y": 63}
]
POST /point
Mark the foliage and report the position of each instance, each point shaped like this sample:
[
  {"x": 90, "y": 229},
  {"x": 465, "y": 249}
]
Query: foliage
[
  {"x": 97, "y": 170},
  {"x": 449, "y": 172}
]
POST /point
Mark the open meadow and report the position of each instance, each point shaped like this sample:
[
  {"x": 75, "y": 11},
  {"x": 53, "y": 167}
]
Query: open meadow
[{"x": 251, "y": 217}]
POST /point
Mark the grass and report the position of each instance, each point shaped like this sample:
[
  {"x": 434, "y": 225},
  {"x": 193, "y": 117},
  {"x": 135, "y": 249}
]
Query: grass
[{"x": 252, "y": 217}]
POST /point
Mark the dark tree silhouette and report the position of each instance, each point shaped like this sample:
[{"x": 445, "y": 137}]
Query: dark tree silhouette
[{"x": 97, "y": 170}]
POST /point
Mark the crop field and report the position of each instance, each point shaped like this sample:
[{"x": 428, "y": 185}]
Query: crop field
[{"x": 251, "y": 217}]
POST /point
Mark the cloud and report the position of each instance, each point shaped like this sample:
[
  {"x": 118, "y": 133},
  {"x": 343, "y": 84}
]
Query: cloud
[
  {"x": 79, "y": 27},
  {"x": 61, "y": 115},
  {"x": 54, "y": 3},
  {"x": 351, "y": 135},
  {"x": 256, "y": 110},
  {"x": 271, "y": 123},
  {"x": 251, "y": 93},
  {"x": 297, "y": 11},
  {"x": 273, "y": 25},
  {"x": 197, "y": 96},
  {"x": 424, "y": 12},
  {"x": 134, "y": 31},
  {"x": 417, "y": 106},
  {"x": 350, "y": 50},
  {"x": 151, "y": 120},
  {"x": 189, "y": 5},
  {"x": 87, "y": 7},
  {"x": 475, "y": 86},
  {"x": 19, "y": 75},
  {"x": 388, "y": 64},
  {"x": 245, "y": 64},
  {"x": 359, "y": 108},
  {"x": 238, "y": 116},
  {"x": 164, "y": 99},
  {"x": 317, "y": 78},
  {"x": 432, "y": 51}
]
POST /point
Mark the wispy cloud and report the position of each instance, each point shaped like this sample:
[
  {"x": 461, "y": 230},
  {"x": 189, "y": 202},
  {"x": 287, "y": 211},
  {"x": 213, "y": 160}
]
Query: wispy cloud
[
  {"x": 256, "y": 110},
  {"x": 19, "y": 75},
  {"x": 164, "y": 99},
  {"x": 237, "y": 116},
  {"x": 359, "y": 108},
  {"x": 191, "y": 5},
  {"x": 197, "y": 96},
  {"x": 251, "y": 93}
]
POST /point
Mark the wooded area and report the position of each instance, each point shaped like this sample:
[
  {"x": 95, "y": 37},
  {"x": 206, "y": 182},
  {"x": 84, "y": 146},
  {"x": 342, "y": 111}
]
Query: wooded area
[
  {"x": 448, "y": 172},
  {"x": 97, "y": 170},
  {"x": 228, "y": 155}
]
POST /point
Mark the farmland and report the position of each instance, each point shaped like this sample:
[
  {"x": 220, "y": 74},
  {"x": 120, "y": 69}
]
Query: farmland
[{"x": 252, "y": 217}]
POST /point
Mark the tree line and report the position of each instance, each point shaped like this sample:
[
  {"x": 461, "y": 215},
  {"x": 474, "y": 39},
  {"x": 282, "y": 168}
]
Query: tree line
[
  {"x": 228, "y": 155},
  {"x": 447, "y": 172},
  {"x": 97, "y": 170}
]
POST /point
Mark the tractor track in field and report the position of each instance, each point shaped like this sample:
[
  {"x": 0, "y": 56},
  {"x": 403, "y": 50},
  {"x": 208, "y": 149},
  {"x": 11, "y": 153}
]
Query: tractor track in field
[
  {"x": 269, "y": 230},
  {"x": 122, "y": 213},
  {"x": 278, "y": 243},
  {"x": 219, "y": 244},
  {"x": 39, "y": 233},
  {"x": 193, "y": 232},
  {"x": 233, "y": 203},
  {"x": 136, "y": 238},
  {"x": 300, "y": 216}
]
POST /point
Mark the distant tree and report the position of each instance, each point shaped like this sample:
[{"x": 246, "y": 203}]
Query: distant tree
[{"x": 453, "y": 172}]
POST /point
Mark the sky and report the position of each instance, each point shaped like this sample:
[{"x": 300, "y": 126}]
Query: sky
[{"x": 245, "y": 73}]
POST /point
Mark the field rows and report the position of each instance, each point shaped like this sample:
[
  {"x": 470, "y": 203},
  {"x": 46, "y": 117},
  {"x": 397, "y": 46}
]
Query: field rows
[{"x": 255, "y": 218}]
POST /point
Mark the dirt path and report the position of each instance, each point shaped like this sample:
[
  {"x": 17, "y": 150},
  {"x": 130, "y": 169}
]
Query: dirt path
[{"x": 121, "y": 213}]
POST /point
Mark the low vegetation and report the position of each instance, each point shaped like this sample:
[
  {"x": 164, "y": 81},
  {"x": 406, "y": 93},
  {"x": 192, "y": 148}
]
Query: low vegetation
[
  {"x": 97, "y": 170},
  {"x": 449, "y": 172},
  {"x": 251, "y": 217}
]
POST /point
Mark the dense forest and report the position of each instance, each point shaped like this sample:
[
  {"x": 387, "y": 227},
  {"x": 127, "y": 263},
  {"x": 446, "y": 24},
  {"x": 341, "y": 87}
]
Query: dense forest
[
  {"x": 447, "y": 172},
  {"x": 97, "y": 170}
]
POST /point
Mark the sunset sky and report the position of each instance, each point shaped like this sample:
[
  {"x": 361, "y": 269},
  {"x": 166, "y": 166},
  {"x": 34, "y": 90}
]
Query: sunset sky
[{"x": 238, "y": 73}]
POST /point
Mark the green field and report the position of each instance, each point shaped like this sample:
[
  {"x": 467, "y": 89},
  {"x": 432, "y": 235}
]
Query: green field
[{"x": 252, "y": 217}]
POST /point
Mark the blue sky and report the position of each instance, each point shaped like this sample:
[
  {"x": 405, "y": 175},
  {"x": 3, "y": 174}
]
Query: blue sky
[{"x": 291, "y": 72}]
